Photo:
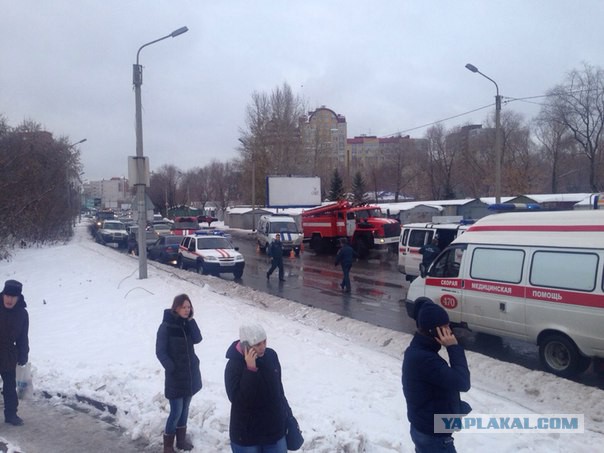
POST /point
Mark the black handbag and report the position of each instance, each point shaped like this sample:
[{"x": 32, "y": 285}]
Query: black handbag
[{"x": 293, "y": 435}]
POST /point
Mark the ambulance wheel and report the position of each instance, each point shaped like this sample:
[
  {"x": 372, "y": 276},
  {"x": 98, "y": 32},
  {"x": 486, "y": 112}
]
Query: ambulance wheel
[{"x": 559, "y": 355}]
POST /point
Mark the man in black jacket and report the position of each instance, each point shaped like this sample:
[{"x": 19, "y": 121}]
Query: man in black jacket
[
  {"x": 345, "y": 257},
  {"x": 14, "y": 345},
  {"x": 275, "y": 251},
  {"x": 430, "y": 385}
]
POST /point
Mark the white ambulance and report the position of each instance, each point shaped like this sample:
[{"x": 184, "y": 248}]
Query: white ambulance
[
  {"x": 415, "y": 235},
  {"x": 534, "y": 276}
]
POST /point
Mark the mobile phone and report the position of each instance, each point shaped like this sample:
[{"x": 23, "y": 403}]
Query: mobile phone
[{"x": 245, "y": 346}]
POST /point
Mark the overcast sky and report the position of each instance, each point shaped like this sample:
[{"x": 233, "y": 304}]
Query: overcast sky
[{"x": 387, "y": 65}]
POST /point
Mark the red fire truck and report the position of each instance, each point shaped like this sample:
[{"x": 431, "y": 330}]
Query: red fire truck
[{"x": 364, "y": 227}]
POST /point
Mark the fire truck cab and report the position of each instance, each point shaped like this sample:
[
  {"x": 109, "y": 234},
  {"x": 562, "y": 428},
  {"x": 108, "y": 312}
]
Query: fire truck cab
[{"x": 363, "y": 226}]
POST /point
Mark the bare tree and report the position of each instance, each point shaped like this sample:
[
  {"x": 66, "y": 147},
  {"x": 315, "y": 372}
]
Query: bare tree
[
  {"x": 441, "y": 162},
  {"x": 271, "y": 140},
  {"x": 556, "y": 144},
  {"x": 578, "y": 104}
]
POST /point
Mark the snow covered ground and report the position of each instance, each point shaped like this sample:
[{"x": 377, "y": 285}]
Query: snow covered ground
[{"x": 93, "y": 325}]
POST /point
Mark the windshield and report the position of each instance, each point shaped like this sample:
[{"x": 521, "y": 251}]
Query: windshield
[
  {"x": 366, "y": 213},
  {"x": 283, "y": 227},
  {"x": 213, "y": 243},
  {"x": 114, "y": 226}
]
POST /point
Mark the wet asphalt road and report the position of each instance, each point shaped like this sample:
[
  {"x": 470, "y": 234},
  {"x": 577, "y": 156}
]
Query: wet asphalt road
[
  {"x": 378, "y": 293},
  {"x": 377, "y": 287}
]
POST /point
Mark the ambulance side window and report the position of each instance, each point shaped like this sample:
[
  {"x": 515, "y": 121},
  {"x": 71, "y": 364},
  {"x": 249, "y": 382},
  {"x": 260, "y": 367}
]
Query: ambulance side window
[
  {"x": 447, "y": 265},
  {"x": 417, "y": 238}
]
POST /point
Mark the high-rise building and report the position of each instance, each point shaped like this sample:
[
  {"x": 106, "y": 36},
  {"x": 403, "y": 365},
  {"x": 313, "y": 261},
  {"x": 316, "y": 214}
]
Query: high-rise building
[{"x": 323, "y": 134}]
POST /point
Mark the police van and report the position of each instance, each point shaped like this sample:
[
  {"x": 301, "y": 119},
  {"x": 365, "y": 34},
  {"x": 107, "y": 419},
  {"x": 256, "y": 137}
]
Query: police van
[
  {"x": 415, "y": 235},
  {"x": 286, "y": 226},
  {"x": 533, "y": 276}
]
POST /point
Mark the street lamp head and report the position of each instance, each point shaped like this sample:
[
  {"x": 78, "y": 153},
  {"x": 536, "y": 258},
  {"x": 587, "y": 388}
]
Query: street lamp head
[
  {"x": 77, "y": 143},
  {"x": 180, "y": 31},
  {"x": 471, "y": 67}
]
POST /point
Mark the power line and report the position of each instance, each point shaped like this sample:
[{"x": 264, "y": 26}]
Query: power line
[{"x": 507, "y": 100}]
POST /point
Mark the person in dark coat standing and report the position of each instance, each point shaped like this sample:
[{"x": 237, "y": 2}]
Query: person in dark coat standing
[
  {"x": 174, "y": 347},
  {"x": 14, "y": 345},
  {"x": 429, "y": 252},
  {"x": 259, "y": 409},
  {"x": 430, "y": 385},
  {"x": 345, "y": 257},
  {"x": 275, "y": 251}
]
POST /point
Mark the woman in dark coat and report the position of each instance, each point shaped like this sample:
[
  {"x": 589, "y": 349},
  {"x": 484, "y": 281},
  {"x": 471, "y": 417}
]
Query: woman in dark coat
[
  {"x": 174, "y": 347},
  {"x": 259, "y": 409}
]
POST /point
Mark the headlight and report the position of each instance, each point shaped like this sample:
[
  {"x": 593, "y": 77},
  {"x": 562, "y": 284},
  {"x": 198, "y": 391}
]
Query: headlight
[
  {"x": 210, "y": 258},
  {"x": 238, "y": 257}
]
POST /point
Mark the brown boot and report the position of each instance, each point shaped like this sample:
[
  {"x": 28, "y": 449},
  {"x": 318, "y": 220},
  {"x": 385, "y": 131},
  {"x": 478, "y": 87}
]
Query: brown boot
[
  {"x": 169, "y": 443},
  {"x": 181, "y": 439}
]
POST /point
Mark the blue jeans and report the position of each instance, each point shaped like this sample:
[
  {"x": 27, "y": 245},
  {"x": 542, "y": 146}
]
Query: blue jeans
[
  {"x": 279, "y": 447},
  {"x": 425, "y": 443},
  {"x": 179, "y": 413}
]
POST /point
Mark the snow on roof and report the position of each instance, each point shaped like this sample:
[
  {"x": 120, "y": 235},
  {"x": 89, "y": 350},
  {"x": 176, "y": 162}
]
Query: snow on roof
[
  {"x": 395, "y": 208},
  {"x": 558, "y": 197}
]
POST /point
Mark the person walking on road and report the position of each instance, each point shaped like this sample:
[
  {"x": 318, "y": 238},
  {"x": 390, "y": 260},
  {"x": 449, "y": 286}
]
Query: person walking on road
[
  {"x": 431, "y": 386},
  {"x": 429, "y": 252},
  {"x": 259, "y": 409},
  {"x": 275, "y": 251},
  {"x": 174, "y": 347},
  {"x": 14, "y": 345},
  {"x": 344, "y": 258}
]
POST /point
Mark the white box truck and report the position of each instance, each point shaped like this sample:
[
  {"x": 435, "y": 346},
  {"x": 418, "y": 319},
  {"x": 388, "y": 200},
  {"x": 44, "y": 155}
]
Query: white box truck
[{"x": 534, "y": 276}]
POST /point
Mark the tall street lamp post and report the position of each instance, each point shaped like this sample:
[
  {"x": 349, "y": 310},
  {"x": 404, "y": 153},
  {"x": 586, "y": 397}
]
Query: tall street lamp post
[
  {"x": 497, "y": 133},
  {"x": 141, "y": 166}
]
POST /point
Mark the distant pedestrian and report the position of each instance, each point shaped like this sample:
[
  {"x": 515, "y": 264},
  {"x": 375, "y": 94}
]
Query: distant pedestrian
[
  {"x": 259, "y": 409},
  {"x": 429, "y": 252},
  {"x": 431, "y": 386},
  {"x": 14, "y": 345},
  {"x": 174, "y": 347},
  {"x": 344, "y": 258},
  {"x": 275, "y": 251}
]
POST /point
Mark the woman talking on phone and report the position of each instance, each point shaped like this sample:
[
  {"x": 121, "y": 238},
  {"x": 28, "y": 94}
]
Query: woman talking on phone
[
  {"x": 259, "y": 409},
  {"x": 431, "y": 386},
  {"x": 174, "y": 347}
]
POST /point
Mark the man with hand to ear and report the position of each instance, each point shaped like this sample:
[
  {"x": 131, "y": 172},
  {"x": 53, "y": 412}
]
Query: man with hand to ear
[
  {"x": 430, "y": 384},
  {"x": 14, "y": 345}
]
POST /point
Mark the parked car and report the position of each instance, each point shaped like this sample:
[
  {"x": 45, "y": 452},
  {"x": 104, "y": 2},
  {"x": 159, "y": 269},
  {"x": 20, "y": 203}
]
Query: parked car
[
  {"x": 112, "y": 232},
  {"x": 206, "y": 218},
  {"x": 210, "y": 252},
  {"x": 162, "y": 227},
  {"x": 150, "y": 239},
  {"x": 165, "y": 249}
]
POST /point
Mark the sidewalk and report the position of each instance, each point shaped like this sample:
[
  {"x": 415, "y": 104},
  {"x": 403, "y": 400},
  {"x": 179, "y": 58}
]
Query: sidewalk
[{"x": 52, "y": 427}]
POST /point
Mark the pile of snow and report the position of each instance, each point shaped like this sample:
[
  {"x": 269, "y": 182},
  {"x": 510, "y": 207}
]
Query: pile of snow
[{"x": 93, "y": 326}]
